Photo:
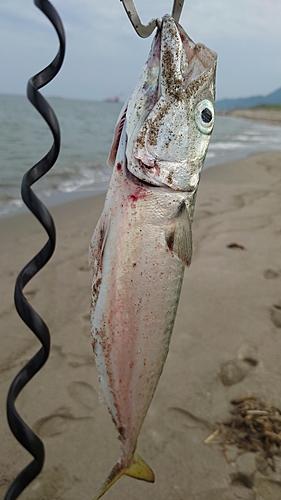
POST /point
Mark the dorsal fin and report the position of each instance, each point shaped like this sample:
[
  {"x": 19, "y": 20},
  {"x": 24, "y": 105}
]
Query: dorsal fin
[{"x": 116, "y": 138}]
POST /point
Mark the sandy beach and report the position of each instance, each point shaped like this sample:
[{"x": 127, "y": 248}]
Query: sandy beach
[
  {"x": 226, "y": 344},
  {"x": 263, "y": 114}
]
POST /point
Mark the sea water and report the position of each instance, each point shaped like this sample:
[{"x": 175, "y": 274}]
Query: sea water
[{"x": 86, "y": 134}]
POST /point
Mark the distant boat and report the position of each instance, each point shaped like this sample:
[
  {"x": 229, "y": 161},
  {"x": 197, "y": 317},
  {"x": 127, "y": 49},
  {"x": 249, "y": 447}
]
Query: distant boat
[{"x": 113, "y": 98}]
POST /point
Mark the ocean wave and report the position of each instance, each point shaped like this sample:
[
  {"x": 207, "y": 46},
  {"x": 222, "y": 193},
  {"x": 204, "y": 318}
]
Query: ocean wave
[
  {"x": 7, "y": 197},
  {"x": 8, "y": 207},
  {"x": 227, "y": 145},
  {"x": 88, "y": 177},
  {"x": 249, "y": 138}
]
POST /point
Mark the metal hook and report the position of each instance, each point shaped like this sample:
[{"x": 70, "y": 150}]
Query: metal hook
[
  {"x": 145, "y": 30},
  {"x": 177, "y": 8}
]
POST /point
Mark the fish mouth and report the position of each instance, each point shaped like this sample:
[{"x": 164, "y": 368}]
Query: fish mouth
[{"x": 170, "y": 180}]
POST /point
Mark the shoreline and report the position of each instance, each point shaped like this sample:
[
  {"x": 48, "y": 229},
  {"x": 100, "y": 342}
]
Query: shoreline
[
  {"x": 226, "y": 343},
  {"x": 271, "y": 116},
  {"x": 62, "y": 198},
  {"x": 221, "y": 150},
  {"x": 57, "y": 199}
]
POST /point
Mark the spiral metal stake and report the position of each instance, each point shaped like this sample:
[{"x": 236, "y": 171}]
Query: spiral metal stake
[{"x": 20, "y": 429}]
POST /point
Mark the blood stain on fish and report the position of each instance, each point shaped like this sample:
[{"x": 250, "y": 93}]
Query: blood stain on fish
[{"x": 137, "y": 195}]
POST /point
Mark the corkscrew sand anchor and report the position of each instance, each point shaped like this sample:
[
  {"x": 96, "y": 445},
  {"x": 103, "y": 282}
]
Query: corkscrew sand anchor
[{"x": 20, "y": 429}]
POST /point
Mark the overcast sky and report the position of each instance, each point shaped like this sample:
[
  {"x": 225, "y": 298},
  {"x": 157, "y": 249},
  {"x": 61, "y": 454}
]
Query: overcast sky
[{"x": 104, "y": 55}]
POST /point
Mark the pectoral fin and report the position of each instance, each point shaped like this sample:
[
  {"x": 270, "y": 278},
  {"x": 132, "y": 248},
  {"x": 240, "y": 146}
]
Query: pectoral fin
[
  {"x": 98, "y": 241},
  {"x": 96, "y": 251},
  {"x": 138, "y": 469},
  {"x": 179, "y": 236},
  {"x": 116, "y": 138}
]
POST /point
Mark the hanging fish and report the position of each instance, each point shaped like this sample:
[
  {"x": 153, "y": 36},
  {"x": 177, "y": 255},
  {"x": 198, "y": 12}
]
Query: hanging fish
[{"x": 143, "y": 240}]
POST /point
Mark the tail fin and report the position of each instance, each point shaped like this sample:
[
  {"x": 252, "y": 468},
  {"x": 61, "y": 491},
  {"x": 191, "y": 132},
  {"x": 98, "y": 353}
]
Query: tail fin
[{"x": 138, "y": 469}]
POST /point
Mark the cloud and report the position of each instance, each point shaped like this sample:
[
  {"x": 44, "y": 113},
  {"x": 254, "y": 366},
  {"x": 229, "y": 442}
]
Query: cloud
[
  {"x": 239, "y": 18},
  {"x": 105, "y": 56}
]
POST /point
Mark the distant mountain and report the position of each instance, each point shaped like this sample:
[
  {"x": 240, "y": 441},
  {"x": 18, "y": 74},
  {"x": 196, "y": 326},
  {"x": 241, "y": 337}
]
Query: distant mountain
[{"x": 249, "y": 102}]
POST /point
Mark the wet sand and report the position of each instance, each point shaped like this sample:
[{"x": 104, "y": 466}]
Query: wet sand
[{"x": 226, "y": 343}]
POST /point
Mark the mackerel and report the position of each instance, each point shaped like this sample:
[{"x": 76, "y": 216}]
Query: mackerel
[{"x": 143, "y": 239}]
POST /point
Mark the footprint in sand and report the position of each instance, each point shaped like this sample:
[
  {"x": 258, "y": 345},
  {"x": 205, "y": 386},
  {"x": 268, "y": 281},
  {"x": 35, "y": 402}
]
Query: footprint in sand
[
  {"x": 53, "y": 483},
  {"x": 85, "y": 268},
  {"x": 275, "y": 314},
  {"x": 78, "y": 360},
  {"x": 268, "y": 489},
  {"x": 84, "y": 394},
  {"x": 242, "y": 479},
  {"x": 56, "y": 423},
  {"x": 247, "y": 352},
  {"x": 232, "y": 372},
  {"x": 235, "y": 370},
  {"x": 30, "y": 293},
  {"x": 53, "y": 424},
  {"x": 190, "y": 419},
  {"x": 86, "y": 318},
  {"x": 86, "y": 324},
  {"x": 270, "y": 274},
  {"x": 74, "y": 360}
]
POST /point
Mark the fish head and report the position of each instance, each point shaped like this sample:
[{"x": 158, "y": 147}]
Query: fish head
[{"x": 170, "y": 114}]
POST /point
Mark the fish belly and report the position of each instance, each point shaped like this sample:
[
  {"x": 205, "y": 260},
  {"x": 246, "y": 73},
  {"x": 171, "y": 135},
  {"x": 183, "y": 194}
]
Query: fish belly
[{"x": 136, "y": 293}]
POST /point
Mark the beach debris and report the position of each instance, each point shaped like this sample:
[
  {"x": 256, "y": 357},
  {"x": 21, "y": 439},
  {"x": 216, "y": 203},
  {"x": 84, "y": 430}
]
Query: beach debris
[
  {"x": 143, "y": 239},
  {"x": 236, "y": 245},
  {"x": 275, "y": 314},
  {"x": 255, "y": 426}
]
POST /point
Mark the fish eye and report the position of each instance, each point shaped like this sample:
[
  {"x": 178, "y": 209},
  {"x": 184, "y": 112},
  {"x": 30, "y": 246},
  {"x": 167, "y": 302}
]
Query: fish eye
[{"x": 204, "y": 116}]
